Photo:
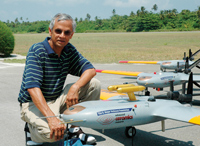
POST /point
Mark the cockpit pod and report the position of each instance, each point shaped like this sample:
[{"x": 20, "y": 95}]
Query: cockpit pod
[{"x": 144, "y": 78}]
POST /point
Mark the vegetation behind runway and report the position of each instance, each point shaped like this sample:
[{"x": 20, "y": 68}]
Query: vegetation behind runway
[
  {"x": 142, "y": 20},
  {"x": 112, "y": 47}
]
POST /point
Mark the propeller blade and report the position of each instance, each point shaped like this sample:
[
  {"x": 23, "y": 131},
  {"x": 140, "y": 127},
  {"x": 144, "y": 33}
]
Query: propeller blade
[
  {"x": 190, "y": 84},
  {"x": 184, "y": 57},
  {"x": 190, "y": 53},
  {"x": 187, "y": 70},
  {"x": 186, "y": 63}
]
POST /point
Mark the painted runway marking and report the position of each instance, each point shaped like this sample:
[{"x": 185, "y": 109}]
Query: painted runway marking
[{"x": 7, "y": 65}]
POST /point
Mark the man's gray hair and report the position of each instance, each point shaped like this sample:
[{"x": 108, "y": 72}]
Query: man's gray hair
[{"x": 62, "y": 16}]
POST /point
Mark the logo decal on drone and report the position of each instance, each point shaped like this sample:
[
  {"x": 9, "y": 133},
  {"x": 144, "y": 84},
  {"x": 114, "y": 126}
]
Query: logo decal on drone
[
  {"x": 105, "y": 119},
  {"x": 113, "y": 111}
]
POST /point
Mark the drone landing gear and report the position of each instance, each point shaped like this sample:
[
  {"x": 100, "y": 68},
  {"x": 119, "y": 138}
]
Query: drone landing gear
[
  {"x": 130, "y": 132},
  {"x": 147, "y": 93}
]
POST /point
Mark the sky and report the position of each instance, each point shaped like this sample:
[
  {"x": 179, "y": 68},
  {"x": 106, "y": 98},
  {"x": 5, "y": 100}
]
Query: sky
[{"x": 36, "y": 10}]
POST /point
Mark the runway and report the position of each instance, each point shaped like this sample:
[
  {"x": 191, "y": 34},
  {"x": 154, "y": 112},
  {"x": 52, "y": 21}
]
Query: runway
[{"x": 177, "y": 133}]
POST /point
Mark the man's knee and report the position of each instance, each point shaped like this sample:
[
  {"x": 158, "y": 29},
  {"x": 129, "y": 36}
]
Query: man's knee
[
  {"x": 96, "y": 84},
  {"x": 96, "y": 87},
  {"x": 91, "y": 91}
]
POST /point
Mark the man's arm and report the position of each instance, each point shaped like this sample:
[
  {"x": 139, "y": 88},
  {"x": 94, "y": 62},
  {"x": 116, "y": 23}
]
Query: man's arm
[
  {"x": 54, "y": 123},
  {"x": 72, "y": 95}
]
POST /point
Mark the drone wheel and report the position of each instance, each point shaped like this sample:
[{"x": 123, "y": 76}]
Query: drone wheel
[{"x": 130, "y": 132}]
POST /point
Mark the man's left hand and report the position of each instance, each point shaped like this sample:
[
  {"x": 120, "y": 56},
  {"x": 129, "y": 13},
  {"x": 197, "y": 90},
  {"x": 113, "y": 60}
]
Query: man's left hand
[{"x": 72, "y": 96}]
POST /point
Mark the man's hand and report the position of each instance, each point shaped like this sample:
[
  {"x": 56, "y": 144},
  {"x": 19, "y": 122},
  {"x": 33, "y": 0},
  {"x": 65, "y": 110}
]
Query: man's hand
[
  {"x": 57, "y": 129},
  {"x": 55, "y": 125},
  {"x": 72, "y": 95}
]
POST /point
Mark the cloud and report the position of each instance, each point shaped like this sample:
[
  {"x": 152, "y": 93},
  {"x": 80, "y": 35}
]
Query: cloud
[
  {"x": 137, "y": 3},
  {"x": 125, "y": 3},
  {"x": 54, "y": 2},
  {"x": 71, "y": 2}
]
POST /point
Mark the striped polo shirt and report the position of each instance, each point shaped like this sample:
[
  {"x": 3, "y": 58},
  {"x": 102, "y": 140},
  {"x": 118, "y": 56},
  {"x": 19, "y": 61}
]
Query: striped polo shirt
[{"x": 45, "y": 70}]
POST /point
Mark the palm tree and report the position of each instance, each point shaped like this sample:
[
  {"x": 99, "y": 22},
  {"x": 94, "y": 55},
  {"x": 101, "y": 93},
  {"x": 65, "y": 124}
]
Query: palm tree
[
  {"x": 138, "y": 12},
  {"x": 113, "y": 12},
  {"x": 198, "y": 12},
  {"x": 88, "y": 17},
  {"x": 174, "y": 12},
  {"x": 155, "y": 7},
  {"x": 162, "y": 15},
  {"x": 16, "y": 21},
  {"x": 132, "y": 13},
  {"x": 96, "y": 18},
  {"x": 142, "y": 9}
]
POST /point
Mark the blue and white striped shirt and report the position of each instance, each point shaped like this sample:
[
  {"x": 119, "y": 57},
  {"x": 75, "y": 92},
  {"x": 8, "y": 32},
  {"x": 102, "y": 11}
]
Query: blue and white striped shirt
[{"x": 45, "y": 70}]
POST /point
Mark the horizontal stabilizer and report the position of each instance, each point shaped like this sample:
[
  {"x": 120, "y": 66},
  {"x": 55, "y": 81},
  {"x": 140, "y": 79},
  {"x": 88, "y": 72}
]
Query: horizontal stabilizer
[
  {"x": 195, "y": 53},
  {"x": 194, "y": 64},
  {"x": 115, "y": 87},
  {"x": 180, "y": 113},
  {"x": 105, "y": 94},
  {"x": 127, "y": 88}
]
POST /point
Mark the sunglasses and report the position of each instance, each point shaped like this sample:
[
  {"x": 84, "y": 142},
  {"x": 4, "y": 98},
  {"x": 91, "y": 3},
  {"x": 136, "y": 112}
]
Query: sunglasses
[{"x": 59, "y": 31}]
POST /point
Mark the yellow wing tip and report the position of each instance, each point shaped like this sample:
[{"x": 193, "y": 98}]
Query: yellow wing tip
[{"x": 195, "y": 120}]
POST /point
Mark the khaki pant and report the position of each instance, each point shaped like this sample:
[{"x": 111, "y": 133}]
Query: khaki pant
[{"x": 39, "y": 128}]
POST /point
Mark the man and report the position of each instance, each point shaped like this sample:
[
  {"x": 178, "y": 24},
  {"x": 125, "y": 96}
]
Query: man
[{"x": 42, "y": 95}]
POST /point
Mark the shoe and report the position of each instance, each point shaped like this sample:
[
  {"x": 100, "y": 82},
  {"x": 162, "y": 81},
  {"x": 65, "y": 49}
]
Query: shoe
[{"x": 78, "y": 133}]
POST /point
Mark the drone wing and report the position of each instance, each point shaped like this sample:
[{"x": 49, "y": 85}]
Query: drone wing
[
  {"x": 126, "y": 73},
  {"x": 141, "y": 62}
]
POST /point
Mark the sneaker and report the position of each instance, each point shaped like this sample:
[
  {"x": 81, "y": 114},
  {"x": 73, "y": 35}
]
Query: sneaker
[{"x": 78, "y": 133}]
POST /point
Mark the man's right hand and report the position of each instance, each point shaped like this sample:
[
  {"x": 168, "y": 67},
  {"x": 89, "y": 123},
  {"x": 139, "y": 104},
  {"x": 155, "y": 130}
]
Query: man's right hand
[{"x": 57, "y": 128}]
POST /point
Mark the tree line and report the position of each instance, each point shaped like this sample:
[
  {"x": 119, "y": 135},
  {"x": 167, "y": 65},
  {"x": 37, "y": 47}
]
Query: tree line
[{"x": 142, "y": 20}]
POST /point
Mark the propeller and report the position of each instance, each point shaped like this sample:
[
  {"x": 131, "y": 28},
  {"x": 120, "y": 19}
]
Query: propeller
[
  {"x": 187, "y": 69},
  {"x": 182, "y": 98},
  {"x": 190, "y": 55},
  {"x": 184, "y": 57},
  {"x": 187, "y": 97},
  {"x": 190, "y": 84},
  {"x": 178, "y": 69}
]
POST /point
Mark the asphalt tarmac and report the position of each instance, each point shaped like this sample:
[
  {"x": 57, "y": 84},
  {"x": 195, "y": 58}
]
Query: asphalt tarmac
[{"x": 176, "y": 134}]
